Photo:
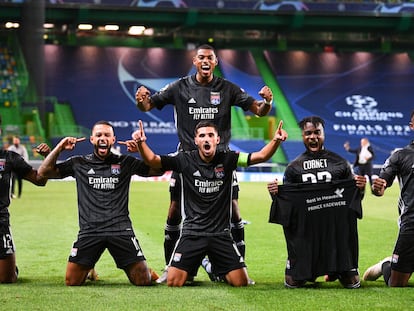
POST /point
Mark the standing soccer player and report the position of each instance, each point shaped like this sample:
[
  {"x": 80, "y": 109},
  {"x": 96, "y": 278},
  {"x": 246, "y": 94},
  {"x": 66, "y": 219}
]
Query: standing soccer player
[
  {"x": 202, "y": 96},
  {"x": 103, "y": 179}
]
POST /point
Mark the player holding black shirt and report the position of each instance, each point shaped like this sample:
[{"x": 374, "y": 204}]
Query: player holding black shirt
[
  {"x": 206, "y": 184},
  {"x": 11, "y": 162},
  {"x": 398, "y": 268},
  {"x": 202, "y": 96},
  {"x": 318, "y": 165},
  {"x": 102, "y": 180}
]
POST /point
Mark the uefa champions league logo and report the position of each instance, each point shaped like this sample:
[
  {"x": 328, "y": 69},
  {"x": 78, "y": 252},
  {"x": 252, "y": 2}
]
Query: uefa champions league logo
[
  {"x": 361, "y": 102},
  {"x": 365, "y": 108},
  {"x": 365, "y": 118}
]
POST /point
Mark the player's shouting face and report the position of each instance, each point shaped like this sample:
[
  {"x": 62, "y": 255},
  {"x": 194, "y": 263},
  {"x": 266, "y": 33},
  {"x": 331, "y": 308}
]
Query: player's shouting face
[
  {"x": 205, "y": 61},
  {"x": 207, "y": 140},
  {"x": 313, "y": 136},
  {"x": 102, "y": 139}
]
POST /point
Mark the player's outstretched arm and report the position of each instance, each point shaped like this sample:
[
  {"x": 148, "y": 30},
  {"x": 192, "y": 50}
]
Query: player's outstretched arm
[
  {"x": 149, "y": 157},
  {"x": 132, "y": 145},
  {"x": 48, "y": 167},
  {"x": 267, "y": 151}
]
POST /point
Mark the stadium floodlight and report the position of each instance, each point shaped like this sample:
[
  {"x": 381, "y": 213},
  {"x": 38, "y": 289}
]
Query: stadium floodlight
[
  {"x": 136, "y": 30},
  {"x": 111, "y": 27},
  {"x": 85, "y": 26},
  {"x": 12, "y": 25}
]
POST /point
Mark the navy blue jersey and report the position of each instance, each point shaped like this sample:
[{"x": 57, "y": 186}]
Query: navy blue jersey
[
  {"x": 194, "y": 102},
  {"x": 401, "y": 164},
  {"x": 103, "y": 191},
  {"x": 206, "y": 190},
  {"x": 9, "y": 162}
]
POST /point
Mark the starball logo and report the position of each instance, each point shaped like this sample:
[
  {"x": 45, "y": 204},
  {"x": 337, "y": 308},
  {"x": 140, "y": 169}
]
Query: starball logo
[{"x": 363, "y": 117}]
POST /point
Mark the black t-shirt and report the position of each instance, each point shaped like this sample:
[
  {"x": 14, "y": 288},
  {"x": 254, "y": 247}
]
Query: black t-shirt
[
  {"x": 320, "y": 226},
  {"x": 103, "y": 191},
  {"x": 9, "y": 162},
  {"x": 206, "y": 190},
  {"x": 401, "y": 164},
  {"x": 194, "y": 102},
  {"x": 310, "y": 253}
]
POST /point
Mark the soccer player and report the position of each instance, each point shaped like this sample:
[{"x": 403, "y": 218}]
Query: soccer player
[
  {"x": 314, "y": 167},
  {"x": 397, "y": 269},
  {"x": 12, "y": 163},
  {"x": 206, "y": 184},
  {"x": 202, "y": 96},
  {"x": 103, "y": 181}
]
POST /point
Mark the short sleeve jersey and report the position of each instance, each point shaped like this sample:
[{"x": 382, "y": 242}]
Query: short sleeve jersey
[
  {"x": 206, "y": 191},
  {"x": 401, "y": 164},
  {"x": 9, "y": 162},
  {"x": 103, "y": 191},
  {"x": 194, "y": 102}
]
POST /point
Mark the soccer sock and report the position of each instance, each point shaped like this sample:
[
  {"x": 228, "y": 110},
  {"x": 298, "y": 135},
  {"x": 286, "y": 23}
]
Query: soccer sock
[
  {"x": 171, "y": 235},
  {"x": 386, "y": 271},
  {"x": 237, "y": 231}
]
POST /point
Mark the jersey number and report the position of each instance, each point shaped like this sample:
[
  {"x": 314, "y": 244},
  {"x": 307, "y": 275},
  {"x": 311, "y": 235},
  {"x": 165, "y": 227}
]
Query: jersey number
[
  {"x": 320, "y": 176},
  {"x": 7, "y": 241}
]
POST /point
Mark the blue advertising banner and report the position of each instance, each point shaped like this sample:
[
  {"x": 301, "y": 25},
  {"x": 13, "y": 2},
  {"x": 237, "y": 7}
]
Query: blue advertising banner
[{"x": 358, "y": 94}]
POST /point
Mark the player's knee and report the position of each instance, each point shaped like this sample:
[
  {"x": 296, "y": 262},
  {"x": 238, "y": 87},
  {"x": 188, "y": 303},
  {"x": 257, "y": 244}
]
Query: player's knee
[
  {"x": 7, "y": 279},
  {"x": 142, "y": 281},
  {"x": 73, "y": 281},
  {"x": 237, "y": 278},
  {"x": 291, "y": 283},
  {"x": 139, "y": 274}
]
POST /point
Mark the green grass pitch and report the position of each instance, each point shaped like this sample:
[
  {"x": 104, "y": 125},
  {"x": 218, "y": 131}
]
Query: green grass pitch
[{"x": 44, "y": 224}]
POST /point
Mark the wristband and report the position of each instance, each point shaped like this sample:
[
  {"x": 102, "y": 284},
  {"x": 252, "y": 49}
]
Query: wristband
[{"x": 269, "y": 103}]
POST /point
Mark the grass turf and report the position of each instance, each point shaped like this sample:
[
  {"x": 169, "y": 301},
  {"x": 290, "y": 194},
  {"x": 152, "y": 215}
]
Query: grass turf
[{"x": 44, "y": 224}]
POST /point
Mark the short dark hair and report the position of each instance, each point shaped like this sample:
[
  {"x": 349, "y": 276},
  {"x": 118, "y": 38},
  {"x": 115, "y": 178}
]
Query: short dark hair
[
  {"x": 315, "y": 120},
  {"x": 205, "y": 47},
  {"x": 102, "y": 122},
  {"x": 205, "y": 124}
]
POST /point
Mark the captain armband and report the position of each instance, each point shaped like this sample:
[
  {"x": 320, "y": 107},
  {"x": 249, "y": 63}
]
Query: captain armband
[{"x": 244, "y": 159}]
